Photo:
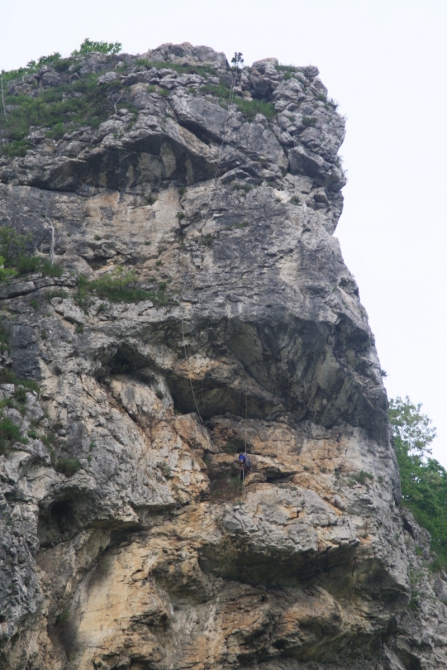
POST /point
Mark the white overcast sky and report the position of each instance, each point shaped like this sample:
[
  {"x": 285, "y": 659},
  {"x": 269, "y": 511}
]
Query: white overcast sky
[{"x": 385, "y": 61}]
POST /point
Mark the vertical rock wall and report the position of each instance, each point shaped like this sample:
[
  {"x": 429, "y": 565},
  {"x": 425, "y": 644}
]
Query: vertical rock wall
[{"x": 126, "y": 540}]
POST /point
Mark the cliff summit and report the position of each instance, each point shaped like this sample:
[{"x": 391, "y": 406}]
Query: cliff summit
[{"x": 176, "y": 296}]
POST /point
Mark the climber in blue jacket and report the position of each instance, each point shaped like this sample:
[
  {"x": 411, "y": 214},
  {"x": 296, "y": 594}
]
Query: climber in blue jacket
[{"x": 246, "y": 465}]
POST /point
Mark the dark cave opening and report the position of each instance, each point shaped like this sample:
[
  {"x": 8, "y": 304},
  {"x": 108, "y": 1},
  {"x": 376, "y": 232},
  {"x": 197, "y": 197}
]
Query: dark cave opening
[
  {"x": 61, "y": 513},
  {"x": 60, "y": 521}
]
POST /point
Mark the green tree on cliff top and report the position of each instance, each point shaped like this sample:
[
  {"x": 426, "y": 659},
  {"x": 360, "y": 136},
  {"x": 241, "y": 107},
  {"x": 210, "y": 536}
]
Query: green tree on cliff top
[
  {"x": 424, "y": 480},
  {"x": 88, "y": 46}
]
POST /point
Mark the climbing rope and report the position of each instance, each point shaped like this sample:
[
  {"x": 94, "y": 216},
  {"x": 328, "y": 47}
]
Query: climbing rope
[
  {"x": 230, "y": 102},
  {"x": 212, "y": 190},
  {"x": 208, "y": 207},
  {"x": 245, "y": 428},
  {"x": 186, "y": 353},
  {"x": 245, "y": 438},
  {"x": 221, "y": 146},
  {"x": 52, "y": 241}
]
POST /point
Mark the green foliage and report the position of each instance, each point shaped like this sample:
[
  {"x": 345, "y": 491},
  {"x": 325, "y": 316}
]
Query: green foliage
[
  {"x": 207, "y": 240},
  {"x": 5, "y": 273},
  {"x": 438, "y": 563},
  {"x": 424, "y": 480},
  {"x": 67, "y": 466},
  {"x": 20, "y": 394},
  {"x": 56, "y": 132},
  {"x": 236, "y": 186},
  {"x": 8, "y": 402},
  {"x": 10, "y": 377},
  {"x": 49, "y": 441},
  {"x": 309, "y": 121},
  {"x": 62, "y": 64},
  {"x": 290, "y": 69},
  {"x": 60, "y": 109},
  {"x": 14, "y": 148},
  {"x": 16, "y": 260},
  {"x": 26, "y": 264},
  {"x": 412, "y": 430},
  {"x": 166, "y": 469},
  {"x": 221, "y": 90},
  {"x": 9, "y": 433},
  {"x": 12, "y": 245},
  {"x": 56, "y": 293},
  {"x": 4, "y": 346},
  {"x": 252, "y": 107},
  {"x": 414, "y": 600},
  {"x": 203, "y": 70},
  {"x": 362, "y": 477},
  {"x": 33, "y": 66},
  {"x": 248, "y": 107},
  {"x": 237, "y": 60},
  {"x": 44, "y": 60},
  {"x": 88, "y": 46},
  {"x": 115, "y": 286}
]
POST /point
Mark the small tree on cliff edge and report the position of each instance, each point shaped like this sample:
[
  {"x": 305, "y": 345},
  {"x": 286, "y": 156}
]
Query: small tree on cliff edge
[
  {"x": 237, "y": 60},
  {"x": 88, "y": 46},
  {"x": 238, "y": 63},
  {"x": 424, "y": 480}
]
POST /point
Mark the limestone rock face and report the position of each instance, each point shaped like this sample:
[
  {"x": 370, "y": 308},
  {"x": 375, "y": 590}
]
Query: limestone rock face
[{"x": 127, "y": 542}]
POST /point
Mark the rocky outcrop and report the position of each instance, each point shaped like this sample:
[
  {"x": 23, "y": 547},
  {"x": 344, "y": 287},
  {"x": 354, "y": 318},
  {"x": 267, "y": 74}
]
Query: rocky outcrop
[{"x": 126, "y": 539}]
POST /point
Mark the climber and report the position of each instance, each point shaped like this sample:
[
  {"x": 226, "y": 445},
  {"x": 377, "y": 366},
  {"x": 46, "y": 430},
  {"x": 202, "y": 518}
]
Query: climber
[{"x": 246, "y": 465}]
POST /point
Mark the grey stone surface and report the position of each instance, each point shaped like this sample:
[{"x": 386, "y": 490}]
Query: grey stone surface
[{"x": 146, "y": 554}]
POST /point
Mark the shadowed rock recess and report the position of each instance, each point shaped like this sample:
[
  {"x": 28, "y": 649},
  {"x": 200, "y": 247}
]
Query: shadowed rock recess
[{"x": 126, "y": 541}]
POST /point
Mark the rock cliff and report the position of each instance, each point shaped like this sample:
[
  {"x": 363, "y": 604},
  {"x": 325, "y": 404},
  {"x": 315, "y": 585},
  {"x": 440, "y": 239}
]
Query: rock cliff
[{"x": 202, "y": 307}]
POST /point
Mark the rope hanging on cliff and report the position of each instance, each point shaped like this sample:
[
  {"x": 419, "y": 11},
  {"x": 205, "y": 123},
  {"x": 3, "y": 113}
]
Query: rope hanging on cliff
[
  {"x": 186, "y": 354},
  {"x": 52, "y": 242},
  {"x": 245, "y": 428},
  {"x": 211, "y": 196},
  {"x": 220, "y": 150},
  {"x": 245, "y": 438},
  {"x": 230, "y": 102}
]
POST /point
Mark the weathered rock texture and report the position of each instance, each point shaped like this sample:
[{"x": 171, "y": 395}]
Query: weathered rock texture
[{"x": 149, "y": 556}]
